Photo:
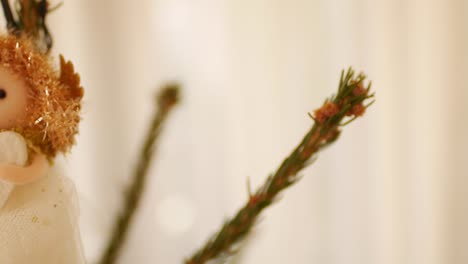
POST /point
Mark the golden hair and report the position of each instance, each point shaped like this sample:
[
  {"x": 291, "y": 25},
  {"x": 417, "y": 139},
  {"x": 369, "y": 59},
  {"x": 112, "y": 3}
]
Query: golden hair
[{"x": 54, "y": 97}]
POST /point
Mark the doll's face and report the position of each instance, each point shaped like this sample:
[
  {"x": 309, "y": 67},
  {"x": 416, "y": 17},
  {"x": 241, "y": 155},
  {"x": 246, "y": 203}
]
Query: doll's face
[{"x": 13, "y": 100}]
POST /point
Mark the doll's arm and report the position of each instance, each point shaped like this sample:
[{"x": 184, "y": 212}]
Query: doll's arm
[{"x": 24, "y": 175}]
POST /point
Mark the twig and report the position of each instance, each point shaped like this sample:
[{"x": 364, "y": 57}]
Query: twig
[
  {"x": 31, "y": 21},
  {"x": 11, "y": 23},
  {"x": 349, "y": 102},
  {"x": 166, "y": 100}
]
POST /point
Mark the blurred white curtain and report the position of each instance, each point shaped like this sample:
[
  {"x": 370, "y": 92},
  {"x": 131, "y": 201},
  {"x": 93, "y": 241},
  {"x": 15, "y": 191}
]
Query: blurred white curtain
[{"x": 392, "y": 190}]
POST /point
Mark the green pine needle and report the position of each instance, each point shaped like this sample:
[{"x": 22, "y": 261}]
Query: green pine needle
[{"x": 343, "y": 108}]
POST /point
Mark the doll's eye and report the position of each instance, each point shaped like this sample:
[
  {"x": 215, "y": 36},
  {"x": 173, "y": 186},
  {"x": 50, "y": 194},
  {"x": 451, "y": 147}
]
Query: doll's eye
[{"x": 3, "y": 94}]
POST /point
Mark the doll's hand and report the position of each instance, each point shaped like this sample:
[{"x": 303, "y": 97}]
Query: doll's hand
[{"x": 24, "y": 175}]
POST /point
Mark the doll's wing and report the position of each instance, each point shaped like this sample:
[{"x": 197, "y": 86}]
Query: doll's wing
[{"x": 70, "y": 78}]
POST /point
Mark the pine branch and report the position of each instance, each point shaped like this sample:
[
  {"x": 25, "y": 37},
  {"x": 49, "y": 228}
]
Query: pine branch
[
  {"x": 166, "y": 100},
  {"x": 347, "y": 104}
]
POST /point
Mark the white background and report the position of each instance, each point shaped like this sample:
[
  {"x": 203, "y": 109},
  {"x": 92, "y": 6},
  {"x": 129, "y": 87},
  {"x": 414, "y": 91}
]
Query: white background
[{"x": 391, "y": 191}]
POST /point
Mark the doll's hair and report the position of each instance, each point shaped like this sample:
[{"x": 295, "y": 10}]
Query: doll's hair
[{"x": 54, "y": 97}]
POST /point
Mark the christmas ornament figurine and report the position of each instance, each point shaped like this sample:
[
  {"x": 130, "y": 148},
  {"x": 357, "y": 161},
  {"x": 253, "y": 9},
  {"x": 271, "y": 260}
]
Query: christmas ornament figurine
[{"x": 39, "y": 116}]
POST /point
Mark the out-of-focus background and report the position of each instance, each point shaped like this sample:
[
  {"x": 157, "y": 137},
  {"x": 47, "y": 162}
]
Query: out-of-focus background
[{"x": 393, "y": 190}]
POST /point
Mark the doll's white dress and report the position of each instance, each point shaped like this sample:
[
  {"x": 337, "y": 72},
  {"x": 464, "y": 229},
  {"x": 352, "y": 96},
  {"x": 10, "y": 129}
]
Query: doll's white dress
[{"x": 38, "y": 221}]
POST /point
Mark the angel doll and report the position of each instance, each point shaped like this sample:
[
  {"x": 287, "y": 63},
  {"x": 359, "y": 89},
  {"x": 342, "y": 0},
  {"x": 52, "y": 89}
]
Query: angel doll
[{"x": 39, "y": 116}]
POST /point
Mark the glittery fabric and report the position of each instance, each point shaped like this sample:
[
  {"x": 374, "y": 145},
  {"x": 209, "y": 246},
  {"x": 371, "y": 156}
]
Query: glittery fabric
[
  {"x": 38, "y": 221},
  {"x": 54, "y": 97}
]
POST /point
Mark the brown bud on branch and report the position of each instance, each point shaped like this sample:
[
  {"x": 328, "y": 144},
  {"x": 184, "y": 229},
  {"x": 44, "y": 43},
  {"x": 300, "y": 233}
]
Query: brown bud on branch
[{"x": 326, "y": 129}]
